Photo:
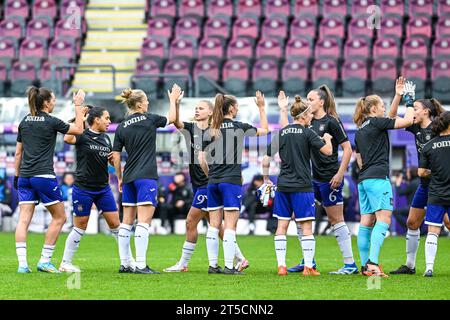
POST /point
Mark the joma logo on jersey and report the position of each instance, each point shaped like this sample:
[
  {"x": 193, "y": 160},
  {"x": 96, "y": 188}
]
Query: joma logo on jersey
[
  {"x": 226, "y": 125},
  {"x": 134, "y": 120},
  {"x": 441, "y": 144},
  {"x": 33, "y": 118},
  {"x": 291, "y": 130}
]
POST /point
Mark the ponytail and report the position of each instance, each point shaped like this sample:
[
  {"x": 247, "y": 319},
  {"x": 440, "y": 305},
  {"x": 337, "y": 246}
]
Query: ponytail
[
  {"x": 298, "y": 107},
  {"x": 222, "y": 106},
  {"x": 32, "y": 92},
  {"x": 441, "y": 123},
  {"x": 329, "y": 104},
  {"x": 434, "y": 107},
  {"x": 363, "y": 108},
  {"x": 37, "y": 97}
]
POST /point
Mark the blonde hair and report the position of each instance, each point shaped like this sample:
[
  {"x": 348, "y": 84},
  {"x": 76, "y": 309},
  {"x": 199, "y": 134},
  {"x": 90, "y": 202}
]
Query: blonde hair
[
  {"x": 132, "y": 97},
  {"x": 363, "y": 108},
  {"x": 298, "y": 107}
]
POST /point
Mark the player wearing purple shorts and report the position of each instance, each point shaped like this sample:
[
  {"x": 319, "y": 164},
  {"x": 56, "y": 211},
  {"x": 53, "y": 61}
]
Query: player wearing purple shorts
[
  {"x": 139, "y": 186},
  {"x": 35, "y": 178}
]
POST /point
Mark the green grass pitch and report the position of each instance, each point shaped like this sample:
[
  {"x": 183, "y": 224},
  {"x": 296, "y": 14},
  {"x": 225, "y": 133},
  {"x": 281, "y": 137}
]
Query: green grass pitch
[{"x": 98, "y": 259}]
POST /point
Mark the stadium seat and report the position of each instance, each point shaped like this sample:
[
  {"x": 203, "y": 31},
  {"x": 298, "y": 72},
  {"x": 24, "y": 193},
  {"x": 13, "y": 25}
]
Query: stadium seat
[
  {"x": 332, "y": 26},
  {"x": 3, "y": 77},
  {"x": 299, "y": 48},
  {"x": 384, "y": 73},
  {"x": 443, "y": 27},
  {"x": 23, "y": 75},
  {"x": 306, "y": 7},
  {"x": 16, "y": 8},
  {"x": 265, "y": 76},
  {"x": 70, "y": 7},
  {"x": 34, "y": 50},
  {"x": 443, "y": 7},
  {"x": 39, "y": 28},
  {"x": 178, "y": 67},
  {"x": 357, "y": 48},
  {"x": 207, "y": 68},
  {"x": 294, "y": 75},
  {"x": 331, "y": 7},
  {"x": 166, "y": 8},
  {"x": 441, "y": 48},
  {"x": 45, "y": 78},
  {"x": 440, "y": 77},
  {"x": 391, "y": 25},
  {"x": 249, "y": 7},
  {"x": 191, "y": 8},
  {"x": 324, "y": 71},
  {"x": 269, "y": 48},
  {"x": 8, "y": 51},
  {"x": 159, "y": 26},
  {"x": 44, "y": 8},
  {"x": 277, "y": 7},
  {"x": 217, "y": 27},
  {"x": 424, "y": 7},
  {"x": 155, "y": 48},
  {"x": 416, "y": 71},
  {"x": 188, "y": 26},
  {"x": 359, "y": 7},
  {"x": 235, "y": 76},
  {"x": 419, "y": 26},
  {"x": 220, "y": 7},
  {"x": 62, "y": 51},
  {"x": 185, "y": 48},
  {"x": 358, "y": 28},
  {"x": 146, "y": 67},
  {"x": 274, "y": 27},
  {"x": 354, "y": 77},
  {"x": 328, "y": 48},
  {"x": 12, "y": 28},
  {"x": 386, "y": 47},
  {"x": 415, "y": 47},
  {"x": 393, "y": 6},
  {"x": 240, "y": 48},
  {"x": 211, "y": 48},
  {"x": 246, "y": 27},
  {"x": 64, "y": 30},
  {"x": 303, "y": 26}
]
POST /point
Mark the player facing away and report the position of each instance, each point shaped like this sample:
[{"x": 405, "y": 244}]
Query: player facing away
[
  {"x": 425, "y": 110},
  {"x": 225, "y": 176},
  {"x": 374, "y": 188},
  {"x": 434, "y": 163},
  {"x": 193, "y": 133},
  {"x": 139, "y": 187},
  {"x": 91, "y": 185},
  {"x": 295, "y": 188},
  {"x": 328, "y": 174},
  {"x": 35, "y": 178}
]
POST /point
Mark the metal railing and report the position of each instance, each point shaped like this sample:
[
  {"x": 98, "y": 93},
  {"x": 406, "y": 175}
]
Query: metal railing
[{"x": 210, "y": 81}]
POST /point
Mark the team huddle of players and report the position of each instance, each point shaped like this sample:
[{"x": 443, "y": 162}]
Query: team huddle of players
[{"x": 310, "y": 171}]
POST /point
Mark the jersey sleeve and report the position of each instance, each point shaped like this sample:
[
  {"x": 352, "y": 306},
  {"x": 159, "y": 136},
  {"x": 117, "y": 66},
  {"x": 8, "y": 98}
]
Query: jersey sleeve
[
  {"x": 19, "y": 133},
  {"x": 314, "y": 140},
  {"x": 118, "y": 141},
  {"x": 337, "y": 131},
  {"x": 424, "y": 159},
  {"x": 60, "y": 126},
  {"x": 159, "y": 121},
  {"x": 274, "y": 145},
  {"x": 383, "y": 124},
  {"x": 249, "y": 130},
  {"x": 79, "y": 139},
  {"x": 189, "y": 126}
]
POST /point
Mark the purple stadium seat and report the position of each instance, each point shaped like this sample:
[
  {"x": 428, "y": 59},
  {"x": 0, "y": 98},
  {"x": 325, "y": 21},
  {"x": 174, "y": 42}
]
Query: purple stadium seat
[
  {"x": 210, "y": 70},
  {"x": 420, "y": 7},
  {"x": 306, "y": 7},
  {"x": 246, "y": 26},
  {"x": 11, "y": 28},
  {"x": 183, "y": 48},
  {"x": 34, "y": 49},
  {"x": 332, "y": 26},
  {"x": 217, "y": 27},
  {"x": 191, "y": 8},
  {"x": 159, "y": 26},
  {"x": 61, "y": 50},
  {"x": 303, "y": 26},
  {"x": 414, "y": 68},
  {"x": 220, "y": 7},
  {"x": 358, "y": 27},
  {"x": 154, "y": 47},
  {"x": 240, "y": 48},
  {"x": 211, "y": 48},
  {"x": 393, "y": 6},
  {"x": 163, "y": 8},
  {"x": 330, "y": 7},
  {"x": 176, "y": 66},
  {"x": 443, "y": 7},
  {"x": 354, "y": 76},
  {"x": 384, "y": 73},
  {"x": 22, "y": 75},
  {"x": 357, "y": 47},
  {"x": 44, "y": 8},
  {"x": 265, "y": 76},
  {"x": 70, "y": 7},
  {"x": 385, "y": 47},
  {"x": 441, "y": 48},
  {"x": 359, "y": 7},
  {"x": 270, "y": 47},
  {"x": 3, "y": 76},
  {"x": 252, "y": 7},
  {"x": 277, "y": 7},
  {"x": 7, "y": 51},
  {"x": 235, "y": 76},
  {"x": 294, "y": 75},
  {"x": 39, "y": 28},
  {"x": 45, "y": 77},
  {"x": 443, "y": 27},
  {"x": 328, "y": 48},
  {"x": 300, "y": 48},
  {"x": 391, "y": 25},
  {"x": 65, "y": 30},
  {"x": 274, "y": 27},
  {"x": 147, "y": 67},
  {"x": 324, "y": 72},
  {"x": 188, "y": 26},
  {"x": 415, "y": 47},
  {"x": 419, "y": 26},
  {"x": 440, "y": 69},
  {"x": 17, "y": 8},
  {"x": 440, "y": 77}
]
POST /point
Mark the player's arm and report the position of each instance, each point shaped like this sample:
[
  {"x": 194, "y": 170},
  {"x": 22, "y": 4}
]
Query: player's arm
[
  {"x": 70, "y": 139},
  {"x": 359, "y": 160},
  {"x": 178, "y": 124},
  {"x": 17, "y": 162},
  {"x": 399, "y": 84},
  {"x": 202, "y": 162},
  {"x": 347, "y": 154},
  {"x": 283, "y": 103},
  {"x": 424, "y": 173},
  {"x": 264, "y": 123},
  {"x": 115, "y": 159},
  {"x": 327, "y": 149},
  {"x": 77, "y": 127},
  {"x": 407, "y": 120},
  {"x": 174, "y": 96},
  {"x": 266, "y": 168}
]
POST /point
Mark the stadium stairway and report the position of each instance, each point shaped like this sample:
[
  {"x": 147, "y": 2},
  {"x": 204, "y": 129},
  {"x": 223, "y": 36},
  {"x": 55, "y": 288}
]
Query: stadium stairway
[{"x": 115, "y": 32}]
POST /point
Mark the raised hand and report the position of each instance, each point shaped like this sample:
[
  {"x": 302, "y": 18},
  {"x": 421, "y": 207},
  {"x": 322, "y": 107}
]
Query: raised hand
[
  {"x": 409, "y": 93},
  {"x": 283, "y": 101},
  {"x": 259, "y": 99},
  {"x": 175, "y": 93},
  {"x": 399, "y": 86},
  {"x": 78, "y": 98}
]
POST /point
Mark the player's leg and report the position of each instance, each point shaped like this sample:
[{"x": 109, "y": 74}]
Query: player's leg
[
  {"x": 129, "y": 202},
  {"x": 308, "y": 248},
  {"x": 215, "y": 206},
  {"x": 366, "y": 225},
  {"x": 447, "y": 221},
  {"x": 434, "y": 217},
  {"x": 282, "y": 210}
]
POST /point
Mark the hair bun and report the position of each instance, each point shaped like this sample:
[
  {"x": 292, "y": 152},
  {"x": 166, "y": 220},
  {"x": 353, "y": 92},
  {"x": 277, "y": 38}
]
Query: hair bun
[
  {"x": 298, "y": 98},
  {"x": 126, "y": 93}
]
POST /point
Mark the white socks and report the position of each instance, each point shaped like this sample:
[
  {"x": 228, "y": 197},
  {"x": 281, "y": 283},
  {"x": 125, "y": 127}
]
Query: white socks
[
  {"x": 72, "y": 243},
  {"x": 47, "y": 253},
  {"x": 21, "y": 251},
  {"x": 344, "y": 240},
  {"x": 229, "y": 247},
  {"x": 124, "y": 244},
  {"x": 280, "y": 249},
  {"x": 141, "y": 243},
  {"x": 430, "y": 250},
  {"x": 308, "y": 248},
  {"x": 186, "y": 253},
  {"x": 412, "y": 244},
  {"x": 212, "y": 245},
  {"x": 115, "y": 233},
  {"x": 238, "y": 254}
]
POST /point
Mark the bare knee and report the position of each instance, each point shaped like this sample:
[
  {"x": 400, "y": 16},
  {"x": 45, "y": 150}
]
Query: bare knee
[{"x": 413, "y": 224}]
